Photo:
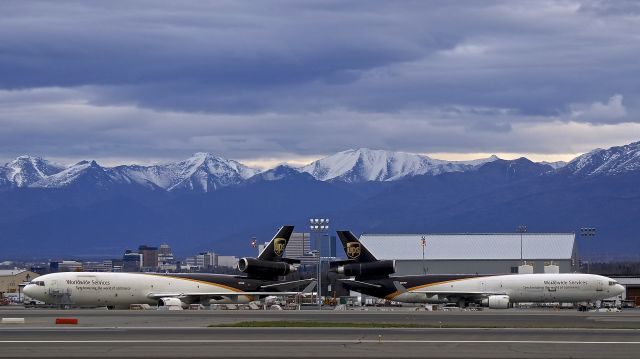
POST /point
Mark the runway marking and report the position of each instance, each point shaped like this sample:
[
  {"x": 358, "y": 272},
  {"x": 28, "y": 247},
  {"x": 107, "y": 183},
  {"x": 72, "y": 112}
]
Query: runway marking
[
  {"x": 312, "y": 341},
  {"x": 22, "y": 328}
]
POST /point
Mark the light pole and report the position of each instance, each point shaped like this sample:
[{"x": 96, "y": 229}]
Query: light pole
[
  {"x": 521, "y": 229},
  {"x": 587, "y": 232},
  {"x": 319, "y": 226},
  {"x": 423, "y": 243}
]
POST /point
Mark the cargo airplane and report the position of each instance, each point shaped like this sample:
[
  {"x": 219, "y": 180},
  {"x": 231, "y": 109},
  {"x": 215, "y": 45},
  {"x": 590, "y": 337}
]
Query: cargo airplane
[
  {"x": 373, "y": 277},
  {"x": 120, "y": 290}
]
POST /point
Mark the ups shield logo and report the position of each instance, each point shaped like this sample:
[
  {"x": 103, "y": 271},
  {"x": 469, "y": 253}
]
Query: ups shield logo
[
  {"x": 278, "y": 245},
  {"x": 353, "y": 250}
]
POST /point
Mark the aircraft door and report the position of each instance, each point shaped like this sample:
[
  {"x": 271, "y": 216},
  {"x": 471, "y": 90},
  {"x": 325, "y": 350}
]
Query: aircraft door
[
  {"x": 599, "y": 286},
  {"x": 55, "y": 286}
]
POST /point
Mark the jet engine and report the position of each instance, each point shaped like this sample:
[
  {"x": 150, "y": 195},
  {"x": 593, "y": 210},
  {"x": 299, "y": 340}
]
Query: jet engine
[
  {"x": 368, "y": 268},
  {"x": 496, "y": 302},
  {"x": 259, "y": 267},
  {"x": 172, "y": 303}
]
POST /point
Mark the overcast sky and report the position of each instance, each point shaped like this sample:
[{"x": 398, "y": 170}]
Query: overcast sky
[{"x": 270, "y": 81}]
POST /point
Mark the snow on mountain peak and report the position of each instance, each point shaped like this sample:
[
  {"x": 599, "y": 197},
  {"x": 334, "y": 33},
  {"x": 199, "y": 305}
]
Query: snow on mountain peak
[
  {"x": 73, "y": 173},
  {"x": 611, "y": 161},
  {"x": 202, "y": 172},
  {"x": 26, "y": 170},
  {"x": 206, "y": 172},
  {"x": 378, "y": 165}
]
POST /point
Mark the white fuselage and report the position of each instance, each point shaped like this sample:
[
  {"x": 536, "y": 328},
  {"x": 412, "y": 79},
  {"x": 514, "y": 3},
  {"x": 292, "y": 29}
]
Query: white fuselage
[
  {"x": 120, "y": 290},
  {"x": 569, "y": 287}
]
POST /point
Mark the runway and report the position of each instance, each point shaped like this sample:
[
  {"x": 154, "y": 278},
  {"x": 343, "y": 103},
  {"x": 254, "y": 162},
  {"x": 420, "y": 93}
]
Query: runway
[
  {"x": 163, "y": 334},
  {"x": 317, "y": 342},
  {"x": 511, "y": 318}
]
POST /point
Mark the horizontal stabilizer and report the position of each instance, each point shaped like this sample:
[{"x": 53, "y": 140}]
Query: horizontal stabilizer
[
  {"x": 287, "y": 285},
  {"x": 358, "y": 284}
]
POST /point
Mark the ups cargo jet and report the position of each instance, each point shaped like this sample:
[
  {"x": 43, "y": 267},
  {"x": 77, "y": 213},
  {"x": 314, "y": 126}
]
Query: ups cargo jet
[
  {"x": 373, "y": 277},
  {"x": 120, "y": 290}
]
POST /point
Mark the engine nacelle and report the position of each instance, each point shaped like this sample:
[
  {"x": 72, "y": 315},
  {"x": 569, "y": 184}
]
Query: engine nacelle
[
  {"x": 172, "y": 303},
  {"x": 496, "y": 302},
  {"x": 368, "y": 269},
  {"x": 259, "y": 267}
]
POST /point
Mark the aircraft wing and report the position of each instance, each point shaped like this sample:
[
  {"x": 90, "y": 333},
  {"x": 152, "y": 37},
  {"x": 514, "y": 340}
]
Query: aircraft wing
[
  {"x": 452, "y": 293},
  {"x": 194, "y": 295}
]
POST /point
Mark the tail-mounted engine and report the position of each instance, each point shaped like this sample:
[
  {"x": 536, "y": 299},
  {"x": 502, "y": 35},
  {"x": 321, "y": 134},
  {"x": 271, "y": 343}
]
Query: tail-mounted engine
[
  {"x": 257, "y": 267},
  {"x": 377, "y": 268}
]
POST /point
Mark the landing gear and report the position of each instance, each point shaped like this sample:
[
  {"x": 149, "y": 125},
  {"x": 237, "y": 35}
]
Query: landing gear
[{"x": 462, "y": 303}]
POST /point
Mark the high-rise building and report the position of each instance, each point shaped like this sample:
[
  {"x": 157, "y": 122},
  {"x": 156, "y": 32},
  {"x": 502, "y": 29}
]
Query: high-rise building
[
  {"x": 149, "y": 257},
  {"x": 298, "y": 246},
  {"x": 206, "y": 260},
  {"x": 166, "y": 261},
  {"x": 326, "y": 244},
  {"x": 227, "y": 261},
  {"x": 131, "y": 261}
]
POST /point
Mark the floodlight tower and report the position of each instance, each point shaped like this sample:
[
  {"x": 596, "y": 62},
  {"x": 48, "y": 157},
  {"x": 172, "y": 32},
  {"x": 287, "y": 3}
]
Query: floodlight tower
[
  {"x": 521, "y": 229},
  {"x": 320, "y": 226}
]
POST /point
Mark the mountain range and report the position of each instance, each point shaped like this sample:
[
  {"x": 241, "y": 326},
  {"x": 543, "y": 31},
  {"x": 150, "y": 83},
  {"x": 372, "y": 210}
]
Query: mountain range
[
  {"x": 204, "y": 172},
  {"x": 211, "y": 203}
]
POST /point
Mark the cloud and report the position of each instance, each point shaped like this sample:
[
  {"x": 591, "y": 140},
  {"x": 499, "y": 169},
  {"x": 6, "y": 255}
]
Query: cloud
[
  {"x": 597, "y": 112},
  {"x": 289, "y": 79}
]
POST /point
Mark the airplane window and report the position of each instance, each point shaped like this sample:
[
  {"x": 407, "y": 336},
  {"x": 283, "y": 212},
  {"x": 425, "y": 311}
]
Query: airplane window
[{"x": 613, "y": 282}]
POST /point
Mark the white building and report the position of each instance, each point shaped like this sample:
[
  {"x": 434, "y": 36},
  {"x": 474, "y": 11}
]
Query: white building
[
  {"x": 469, "y": 253},
  {"x": 227, "y": 261}
]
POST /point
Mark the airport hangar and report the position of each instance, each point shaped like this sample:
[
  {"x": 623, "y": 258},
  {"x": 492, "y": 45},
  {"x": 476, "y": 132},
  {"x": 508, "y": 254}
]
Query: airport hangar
[{"x": 470, "y": 253}]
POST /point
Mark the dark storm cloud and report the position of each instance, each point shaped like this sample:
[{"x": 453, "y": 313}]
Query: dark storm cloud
[{"x": 276, "y": 78}]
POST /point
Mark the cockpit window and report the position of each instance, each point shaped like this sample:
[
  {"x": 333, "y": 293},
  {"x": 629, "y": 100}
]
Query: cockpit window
[
  {"x": 38, "y": 283},
  {"x": 612, "y": 282}
]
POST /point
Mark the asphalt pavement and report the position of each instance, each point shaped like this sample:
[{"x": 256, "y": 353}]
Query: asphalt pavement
[{"x": 164, "y": 334}]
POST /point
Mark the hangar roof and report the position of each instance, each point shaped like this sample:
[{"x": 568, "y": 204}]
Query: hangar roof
[
  {"x": 11, "y": 272},
  {"x": 481, "y": 246}
]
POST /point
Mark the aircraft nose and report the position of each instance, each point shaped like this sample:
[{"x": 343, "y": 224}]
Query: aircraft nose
[
  {"x": 29, "y": 290},
  {"x": 619, "y": 289}
]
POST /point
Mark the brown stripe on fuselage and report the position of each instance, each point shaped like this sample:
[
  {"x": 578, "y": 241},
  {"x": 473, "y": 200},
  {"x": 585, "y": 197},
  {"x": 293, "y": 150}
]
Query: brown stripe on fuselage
[
  {"x": 236, "y": 290},
  {"x": 397, "y": 293}
]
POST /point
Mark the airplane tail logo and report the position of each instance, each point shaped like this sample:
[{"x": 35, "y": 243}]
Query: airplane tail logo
[
  {"x": 279, "y": 244},
  {"x": 353, "y": 250}
]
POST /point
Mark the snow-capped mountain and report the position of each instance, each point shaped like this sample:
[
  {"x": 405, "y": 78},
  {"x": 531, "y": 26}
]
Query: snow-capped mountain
[
  {"x": 202, "y": 172},
  {"x": 26, "y": 170},
  {"x": 612, "y": 161},
  {"x": 280, "y": 173},
  {"x": 83, "y": 172},
  {"x": 364, "y": 164}
]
